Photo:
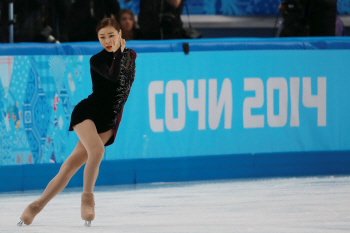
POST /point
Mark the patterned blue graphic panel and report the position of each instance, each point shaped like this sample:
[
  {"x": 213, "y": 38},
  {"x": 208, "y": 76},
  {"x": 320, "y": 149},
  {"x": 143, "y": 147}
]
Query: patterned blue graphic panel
[
  {"x": 232, "y": 7},
  {"x": 37, "y": 96}
]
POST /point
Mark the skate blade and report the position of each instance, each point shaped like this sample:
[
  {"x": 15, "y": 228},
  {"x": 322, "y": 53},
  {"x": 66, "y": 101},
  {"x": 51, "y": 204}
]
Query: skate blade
[
  {"x": 87, "y": 223},
  {"x": 20, "y": 223}
]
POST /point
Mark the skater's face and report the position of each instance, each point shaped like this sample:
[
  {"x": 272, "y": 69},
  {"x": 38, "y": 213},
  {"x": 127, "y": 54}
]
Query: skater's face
[{"x": 106, "y": 36}]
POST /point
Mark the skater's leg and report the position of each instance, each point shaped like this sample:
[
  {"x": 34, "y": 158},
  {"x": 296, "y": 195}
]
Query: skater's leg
[
  {"x": 77, "y": 158},
  {"x": 94, "y": 146},
  {"x": 72, "y": 164}
]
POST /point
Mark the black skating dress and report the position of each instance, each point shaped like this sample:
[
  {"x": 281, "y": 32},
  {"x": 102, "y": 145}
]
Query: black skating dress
[{"x": 112, "y": 75}]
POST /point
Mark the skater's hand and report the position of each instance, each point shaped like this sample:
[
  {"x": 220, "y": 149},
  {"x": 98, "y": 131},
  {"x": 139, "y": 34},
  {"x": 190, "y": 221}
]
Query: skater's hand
[
  {"x": 118, "y": 43},
  {"x": 122, "y": 41}
]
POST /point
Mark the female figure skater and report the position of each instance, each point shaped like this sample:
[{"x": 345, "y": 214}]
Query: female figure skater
[{"x": 95, "y": 119}]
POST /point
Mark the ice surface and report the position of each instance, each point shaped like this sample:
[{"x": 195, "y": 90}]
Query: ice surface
[{"x": 312, "y": 204}]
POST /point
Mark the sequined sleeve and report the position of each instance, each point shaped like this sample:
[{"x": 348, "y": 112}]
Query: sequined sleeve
[{"x": 126, "y": 79}]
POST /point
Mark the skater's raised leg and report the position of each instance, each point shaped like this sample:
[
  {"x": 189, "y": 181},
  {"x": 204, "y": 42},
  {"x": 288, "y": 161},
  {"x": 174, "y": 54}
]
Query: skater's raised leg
[{"x": 94, "y": 146}]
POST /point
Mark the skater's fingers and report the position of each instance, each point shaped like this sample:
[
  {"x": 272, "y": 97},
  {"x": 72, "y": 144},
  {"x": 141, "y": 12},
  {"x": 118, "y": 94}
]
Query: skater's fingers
[{"x": 122, "y": 44}]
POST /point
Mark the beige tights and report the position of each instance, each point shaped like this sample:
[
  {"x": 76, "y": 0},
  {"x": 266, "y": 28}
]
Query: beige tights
[
  {"x": 89, "y": 150},
  {"x": 60, "y": 181},
  {"x": 57, "y": 184}
]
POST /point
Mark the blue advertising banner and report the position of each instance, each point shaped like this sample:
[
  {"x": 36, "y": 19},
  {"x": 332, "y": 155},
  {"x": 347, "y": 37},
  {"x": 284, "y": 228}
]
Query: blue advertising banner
[
  {"x": 204, "y": 103},
  {"x": 237, "y": 102}
]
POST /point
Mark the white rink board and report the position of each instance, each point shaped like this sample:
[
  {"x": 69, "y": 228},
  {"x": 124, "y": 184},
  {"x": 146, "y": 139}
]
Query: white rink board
[{"x": 312, "y": 204}]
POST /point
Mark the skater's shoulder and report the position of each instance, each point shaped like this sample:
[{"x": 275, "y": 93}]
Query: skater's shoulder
[{"x": 130, "y": 52}]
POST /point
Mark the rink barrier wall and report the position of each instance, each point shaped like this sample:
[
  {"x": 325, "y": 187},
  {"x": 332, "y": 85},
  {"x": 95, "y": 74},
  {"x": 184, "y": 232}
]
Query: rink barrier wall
[
  {"x": 134, "y": 171},
  {"x": 192, "y": 167},
  {"x": 222, "y": 44}
]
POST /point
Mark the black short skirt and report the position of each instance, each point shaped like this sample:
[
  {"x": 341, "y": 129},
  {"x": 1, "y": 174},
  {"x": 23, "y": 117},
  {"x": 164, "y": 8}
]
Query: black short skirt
[{"x": 101, "y": 116}]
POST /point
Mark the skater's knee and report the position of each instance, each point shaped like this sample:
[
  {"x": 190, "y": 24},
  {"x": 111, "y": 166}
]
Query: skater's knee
[{"x": 96, "y": 152}]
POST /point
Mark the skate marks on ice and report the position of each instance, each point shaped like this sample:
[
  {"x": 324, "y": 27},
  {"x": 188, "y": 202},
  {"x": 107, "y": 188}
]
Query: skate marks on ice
[{"x": 314, "y": 204}]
